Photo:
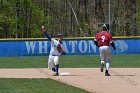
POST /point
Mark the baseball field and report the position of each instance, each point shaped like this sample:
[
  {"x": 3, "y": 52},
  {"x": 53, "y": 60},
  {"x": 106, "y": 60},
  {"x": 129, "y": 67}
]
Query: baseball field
[{"x": 29, "y": 74}]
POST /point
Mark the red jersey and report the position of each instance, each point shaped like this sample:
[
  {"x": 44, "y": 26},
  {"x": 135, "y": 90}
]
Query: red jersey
[{"x": 103, "y": 38}]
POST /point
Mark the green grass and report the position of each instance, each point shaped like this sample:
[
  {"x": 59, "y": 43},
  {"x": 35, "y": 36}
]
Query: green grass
[
  {"x": 23, "y": 62},
  {"x": 126, "y": 61},
  {"x": 68, "y": 61},
  {"x": 36, "y": 86}
]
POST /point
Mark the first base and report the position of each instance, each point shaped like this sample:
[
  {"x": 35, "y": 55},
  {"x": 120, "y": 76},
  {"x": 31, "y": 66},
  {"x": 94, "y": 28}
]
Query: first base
[{"x": 65, "y": 74}]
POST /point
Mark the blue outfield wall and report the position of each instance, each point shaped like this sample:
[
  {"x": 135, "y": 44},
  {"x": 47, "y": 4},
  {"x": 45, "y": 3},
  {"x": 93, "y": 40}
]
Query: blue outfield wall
[{"x": 37, "y": 47}]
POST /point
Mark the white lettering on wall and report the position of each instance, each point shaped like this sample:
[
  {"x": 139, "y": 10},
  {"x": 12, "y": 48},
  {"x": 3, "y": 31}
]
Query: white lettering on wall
[
  {"x": 70, "y": 47},
  {"x": 30, "y": 46},
  {"x": 65, "y": 47},
  {"x": 92, "y": 46},
  {"x": 82, "y": 46},
  {"x": 43, "y": 46},
  {"x": 73, "y": 46}
]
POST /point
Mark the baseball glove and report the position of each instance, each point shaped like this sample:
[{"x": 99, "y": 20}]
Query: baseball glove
[{"x": 59, "y": 48}]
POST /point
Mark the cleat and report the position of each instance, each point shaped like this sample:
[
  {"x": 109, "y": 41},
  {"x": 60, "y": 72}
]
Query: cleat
[
  {"x": 53, "y": 69},
  {"x": 106, "y": 73},
  {"x": 102, "y": 67},
  {"x": 56, "y": 74}
]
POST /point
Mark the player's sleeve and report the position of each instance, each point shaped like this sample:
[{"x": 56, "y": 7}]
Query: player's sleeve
[
  {"x": 47, "y": 35},
  {"x": 110, "y": 38},
  {"x": 95, "y": 41},
  {"x": 56, "y": 43}
]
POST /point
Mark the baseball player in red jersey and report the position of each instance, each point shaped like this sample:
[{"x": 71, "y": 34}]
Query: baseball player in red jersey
[{"x": 103, "y": 40}]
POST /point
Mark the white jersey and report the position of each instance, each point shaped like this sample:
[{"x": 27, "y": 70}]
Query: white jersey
[{"x": 54, "y": 44}]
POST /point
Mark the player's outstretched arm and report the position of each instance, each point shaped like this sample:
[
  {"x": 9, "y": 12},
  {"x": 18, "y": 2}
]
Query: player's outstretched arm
[{"x": 45, "y": 33}]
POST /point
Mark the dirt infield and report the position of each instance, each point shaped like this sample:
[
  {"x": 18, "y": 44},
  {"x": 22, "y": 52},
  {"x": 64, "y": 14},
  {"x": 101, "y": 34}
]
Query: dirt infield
[{"x": 122, "y": 80}]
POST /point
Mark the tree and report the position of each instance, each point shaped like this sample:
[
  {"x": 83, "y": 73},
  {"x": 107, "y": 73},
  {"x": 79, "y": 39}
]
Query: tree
[{"x": 73, "y": 18}]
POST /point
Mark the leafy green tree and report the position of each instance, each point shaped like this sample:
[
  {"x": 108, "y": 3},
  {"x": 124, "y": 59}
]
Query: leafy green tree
[{"x": 73, "y": 18}]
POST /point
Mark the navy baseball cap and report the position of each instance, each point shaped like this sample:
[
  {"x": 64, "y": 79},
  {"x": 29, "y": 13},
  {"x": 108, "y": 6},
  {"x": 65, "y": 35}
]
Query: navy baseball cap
[
  {"x": 105, "y": 27},
  {"x": 59, "y": 35}
]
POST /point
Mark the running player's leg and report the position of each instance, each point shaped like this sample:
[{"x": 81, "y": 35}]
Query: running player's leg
[
  {"x": 102, "y": 56},
  {"x": 108, "y": 58}
]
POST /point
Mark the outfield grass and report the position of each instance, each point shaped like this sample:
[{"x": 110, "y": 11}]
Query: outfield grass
[
  {"x": 68, "y": 61},
  {"x": 36, "y": 86}
]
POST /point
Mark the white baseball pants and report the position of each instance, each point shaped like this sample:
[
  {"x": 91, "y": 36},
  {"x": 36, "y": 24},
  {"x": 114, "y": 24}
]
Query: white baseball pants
[
  {"x": 52, "y": 61},
  {"x": 105, "y": 53}
]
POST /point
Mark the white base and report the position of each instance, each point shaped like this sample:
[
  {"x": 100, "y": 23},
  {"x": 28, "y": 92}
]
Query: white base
[{"x": 65, "y": 73}]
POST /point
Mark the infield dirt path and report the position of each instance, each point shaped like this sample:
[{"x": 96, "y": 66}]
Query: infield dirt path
[{"x": 122, "y": 80}]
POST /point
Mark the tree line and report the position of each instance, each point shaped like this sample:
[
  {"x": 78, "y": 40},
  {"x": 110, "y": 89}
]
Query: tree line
[{"x": 73, "y": 18}]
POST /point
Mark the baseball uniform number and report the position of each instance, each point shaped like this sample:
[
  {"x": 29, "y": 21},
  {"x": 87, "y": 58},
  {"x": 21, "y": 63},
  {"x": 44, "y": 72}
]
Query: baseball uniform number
[{"x": 103, "y": 38}]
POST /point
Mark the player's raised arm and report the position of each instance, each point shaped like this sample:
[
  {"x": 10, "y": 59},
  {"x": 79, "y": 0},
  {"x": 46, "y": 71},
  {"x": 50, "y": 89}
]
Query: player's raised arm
[{"x": 45, "y": 33}]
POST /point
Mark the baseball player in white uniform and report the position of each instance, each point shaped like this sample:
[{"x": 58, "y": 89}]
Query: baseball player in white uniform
[{"x": 56, "y": 50}]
